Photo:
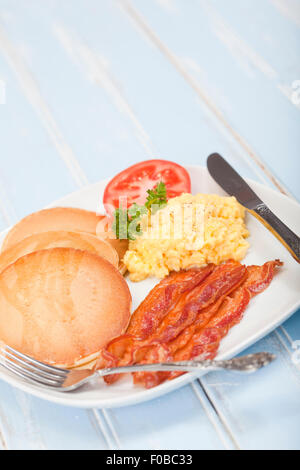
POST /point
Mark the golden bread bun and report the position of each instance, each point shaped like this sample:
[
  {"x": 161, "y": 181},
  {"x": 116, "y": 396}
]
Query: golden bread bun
[
  {"x": 62, "y": 305},
  {"x": 67, "y": 219},
  {"x": 121, "y": 246},
  {"x": 60, "y": 239},
  {"x": 56, "y": 218}
]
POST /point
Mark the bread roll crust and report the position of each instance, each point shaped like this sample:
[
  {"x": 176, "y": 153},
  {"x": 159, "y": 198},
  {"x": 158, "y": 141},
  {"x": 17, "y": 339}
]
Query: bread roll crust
[
  {"x": 59, "y": 239},
  {"x": 62, "y": 305}
]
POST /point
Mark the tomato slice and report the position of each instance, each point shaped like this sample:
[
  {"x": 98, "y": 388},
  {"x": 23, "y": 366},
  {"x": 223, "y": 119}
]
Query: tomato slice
[{"x": 131, "y": 184}]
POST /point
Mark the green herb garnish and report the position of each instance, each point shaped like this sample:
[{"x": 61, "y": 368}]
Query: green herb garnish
[
  {"x": 126, "y": 224},
  {"x": 157, "y": 197}
]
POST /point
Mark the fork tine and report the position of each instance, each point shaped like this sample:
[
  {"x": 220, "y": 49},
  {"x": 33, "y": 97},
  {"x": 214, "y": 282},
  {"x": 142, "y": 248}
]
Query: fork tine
[
  {"x": 25, "y": 374},
  {"x": 38, "y": 364},
  {"x": 31, "y": 367}
]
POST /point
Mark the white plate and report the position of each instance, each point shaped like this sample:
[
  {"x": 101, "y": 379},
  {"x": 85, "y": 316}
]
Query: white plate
[{"x": 265, "y": 312}]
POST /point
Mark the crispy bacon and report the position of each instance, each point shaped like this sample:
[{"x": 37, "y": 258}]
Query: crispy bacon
[
  {"x": 163, "y": 296},
  {"x": 221, "y": 281},
  {"x": 150, "y": 379},
  {"x": 149, "y": 314},
  {"x": 197, "y": 305},
  {"x": 129, "y": 349},
  {"x": 185, "y": 316},
  {"x": 204, "y": 340}
]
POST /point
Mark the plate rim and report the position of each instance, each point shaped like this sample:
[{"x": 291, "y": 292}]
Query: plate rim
[{"x": 169, "y": 386}]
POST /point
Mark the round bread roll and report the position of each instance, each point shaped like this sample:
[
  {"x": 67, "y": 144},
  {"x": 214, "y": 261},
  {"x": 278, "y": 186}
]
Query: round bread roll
[
  {"x": 57, "y": 218},
  {"x": 104, "y": 232},
  {"x": 41, "y": 241},
  {"x": 61, "y": 305},
  {"x": 67, "y": 219}
]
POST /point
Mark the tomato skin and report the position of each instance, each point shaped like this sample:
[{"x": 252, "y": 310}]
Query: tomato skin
[{"x": 133, "y": 183}]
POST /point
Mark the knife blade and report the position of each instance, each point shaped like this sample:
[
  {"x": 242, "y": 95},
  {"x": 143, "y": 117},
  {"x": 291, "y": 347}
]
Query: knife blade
[{"x": 236, "y": 186}]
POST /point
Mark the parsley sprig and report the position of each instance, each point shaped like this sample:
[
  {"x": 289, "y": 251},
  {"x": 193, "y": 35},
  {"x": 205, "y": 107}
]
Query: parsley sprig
[
  {"x": 157, "y": 197},
  {"x": 126, "y": 224}
]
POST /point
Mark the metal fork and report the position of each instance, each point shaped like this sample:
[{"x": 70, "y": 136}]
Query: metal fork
[{"x": 64, "y": 380}]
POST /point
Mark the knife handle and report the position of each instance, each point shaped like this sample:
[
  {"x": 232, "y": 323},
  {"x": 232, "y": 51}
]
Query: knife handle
[{"x": 285, "y": 235}]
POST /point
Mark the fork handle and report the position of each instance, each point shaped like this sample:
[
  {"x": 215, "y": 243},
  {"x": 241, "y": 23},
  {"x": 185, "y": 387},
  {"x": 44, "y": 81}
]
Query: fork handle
[
  {"x": 185, "y": 366},
  {"x": 248, "y": 363}
]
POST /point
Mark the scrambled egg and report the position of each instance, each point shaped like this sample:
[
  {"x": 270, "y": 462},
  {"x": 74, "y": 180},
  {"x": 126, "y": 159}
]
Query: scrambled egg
[{"x": 188, "y": 231}]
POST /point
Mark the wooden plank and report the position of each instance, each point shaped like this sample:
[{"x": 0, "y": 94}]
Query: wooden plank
[
  {"x": 33, "y": 424},
  {"x": 263, "y": 408},
  {"x": 25, "y": 187},
  {"x": 39, "y": 411},
  {"x": 43, "y": 178},
  {"x": 128, "y": 93},
  {"x": 256, "y": 61},
  {"x": 84, "y": 70},
  {"x": 288, "y": 8},
  {"x": 175, "y": 421},
  {"x": 292, "y": 328},
  {"x": 241, "y": 84}
]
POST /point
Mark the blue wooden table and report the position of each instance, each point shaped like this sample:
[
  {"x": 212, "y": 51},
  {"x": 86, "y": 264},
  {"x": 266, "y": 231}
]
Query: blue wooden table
[{"x": 88, "y": 87}]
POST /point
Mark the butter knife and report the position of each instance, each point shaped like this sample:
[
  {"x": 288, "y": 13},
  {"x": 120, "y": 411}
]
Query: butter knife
[{"x": 236, "y": 186}]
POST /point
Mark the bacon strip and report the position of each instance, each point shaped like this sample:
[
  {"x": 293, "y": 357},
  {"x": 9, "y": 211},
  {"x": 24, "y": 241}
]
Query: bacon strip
[
  {"x": 196, "y": 305},
  {"x": 166, "y": 353},
  {"x": 149, "y": 314},
  {"x": 220, "y": 282},
  {"x": 204, "y": 340},
  {"x": 163, "y": 296},
  {"x": 129, "y": 350}
]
